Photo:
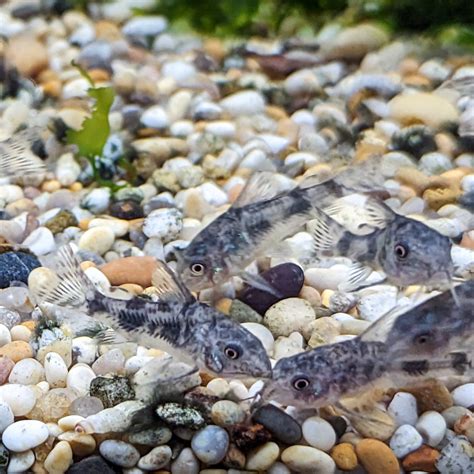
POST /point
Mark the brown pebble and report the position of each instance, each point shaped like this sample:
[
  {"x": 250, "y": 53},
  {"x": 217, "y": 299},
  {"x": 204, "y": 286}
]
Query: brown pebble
[
  {"x": 223, "y": 305},
  {"x": 436, "y": 198},
  {"x": 423, "y": 459},
  {"x": 6, "y": 366},
  {"x": 16, "y": 350},
  {"x": 432, "y": 395},
  {"x": 27, "y": 54},
  {"x": 465, "y": 426},
  {"x": 98, "y": 75},
  {"x": 467, "y": 241},
  {"x": 52, "y": 88},
  {"x": 377, "y": 457},
  {"x": 132, "y": 288},
  {"x": 413, "y": 178},
  {"x": 234, "y": 458},
  {"x": 138, "y": 270},
  {"x": 344, "y": 456}
]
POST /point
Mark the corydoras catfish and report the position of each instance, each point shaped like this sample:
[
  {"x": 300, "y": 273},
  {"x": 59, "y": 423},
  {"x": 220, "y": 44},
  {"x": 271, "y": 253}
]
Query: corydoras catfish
[
  {"x": 433, "y": 339},
  {"x": 250, "y": 229},
  {"x": 406, "y": 250},
  {"x": 177, "y": 322},
  {"x": 16, "y": 157}
]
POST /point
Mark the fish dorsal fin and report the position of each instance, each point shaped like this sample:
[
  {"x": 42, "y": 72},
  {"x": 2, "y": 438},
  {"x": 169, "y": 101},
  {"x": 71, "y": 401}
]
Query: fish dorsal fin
[
  {"x": 168, "y": 286},
  {"x": 378, "y": 213},
  {"x": 261, "y": 186},
  {"x": 109, "y": 336},
  {"x": 16, "y": 157}
]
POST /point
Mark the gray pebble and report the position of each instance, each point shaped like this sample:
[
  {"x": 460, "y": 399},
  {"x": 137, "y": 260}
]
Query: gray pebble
[
  {"x": 210, "y": 444},
  {"x": 119, "y": 453}
]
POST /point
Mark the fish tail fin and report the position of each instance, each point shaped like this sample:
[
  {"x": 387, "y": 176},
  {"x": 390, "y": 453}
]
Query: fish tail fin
[
  {"x": 70, "y": 288},
  {"x": 326, "y": 233}
]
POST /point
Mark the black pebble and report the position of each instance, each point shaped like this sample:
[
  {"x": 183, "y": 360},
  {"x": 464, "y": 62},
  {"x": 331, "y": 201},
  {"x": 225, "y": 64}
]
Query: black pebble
[
  {"x": 92, "y": 465},
  {"x": 467, "y": 201},
  {"x": 126, "y": 210},
  {"x": 287, "y": 278},
  {"x": 16, "y": 266},
  {"x": 26, "y": 11},
  {"x": 281, "y": 425},
  {"x": 416, "y": 140},
  {"x": 339, "y": 424},
  {"x": 4, "y": 457}
]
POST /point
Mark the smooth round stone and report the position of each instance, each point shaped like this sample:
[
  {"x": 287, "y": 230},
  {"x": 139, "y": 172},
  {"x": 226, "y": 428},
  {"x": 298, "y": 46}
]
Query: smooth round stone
[
  {"x": 119, "y": 452},
  {"x": 8, "y": 317},
  {"x": 152, "y": 436},
  {"x": 454, "y": 413},
  {"x": 244, "y": 103},
  {"x": 308, "y": 460},
  {"x": 210, "y": 444},
  {"x": 69, "y": 422},
  {"x": 86, "y": 406},
  {"x": 456, "y": 457},
  {"x": 79, "y": 379},
  {"x": 185, "y": 463},
  {"x": 112, "y": 362},
  {"x": 226, "y": 412},
  {"x": 6, "y": 416},
  {"x": 319, "y": 433},
  {"x": 155, "y": 459},
  {"x": 405, "y": 440},
  {"x": 20, "y": 398},
  {"x": 27, "y": 372},
  {"x": 327, "y": 278},
  {"x": 377, "y": 457},
  {"x": 155, "y": 117},
  {"x": 23, "y": 435},
  {"x": 286, "y": 278},
  {"x": 97, "y": 201},
  {"x": 301, "y": 82},
  {"x": 464, "y": 395},
  {"x": 288, "y": 346},
  {"x": 281, "y": 425},
  {"x": 55, "y": 370},
  {"x": 20, "y": 333},
  {"x": 289, "y": 315},
  {"x": 403, "y": 409},
  {"x": 40, "y": 241},
  {"x": 163, "y": 223},
  {"x": 344, "y": 456},
  {"x": 21, "y": 462},
  {"x": 263, "y": 457},
  {"x": 432, "y": 426},
  {"x": 84, "y": 349},
  {"x": 60, "y": 458},
  {"x": 67, "y": 169},
  {"x": 16, "y": 266},
  {"x": 263, "y": 334},
  {"x": 98, "y": 240},
  {"x": 5, "y": 336},
  {"x": 119, "y": 227},
  {"x": 220, "y": 387}
]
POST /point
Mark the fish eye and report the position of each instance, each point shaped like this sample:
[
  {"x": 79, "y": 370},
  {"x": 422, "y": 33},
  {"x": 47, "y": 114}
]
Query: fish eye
[
  {"x": 401, "y": 251},
  {"x": 300, "y": 383},
  {"x": 232, "y": 352},
  {"x": 422, "y": 339},
  {"x": 197, "y": 269}
]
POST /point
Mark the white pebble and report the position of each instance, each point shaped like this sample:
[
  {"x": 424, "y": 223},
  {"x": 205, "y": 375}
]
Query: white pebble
[
  {"x": 119, "y": 453},
  {"x": 280, "y": 324},
  {"x": 403, "y": 409},
  {"x": 156, "y": 459},
  {"x": 97, "y": 240},
  {"x": 155, "y": 117},
  {"x": 244, "y": 103},
  {"x": 69, "y": 422},
  {"x": 163, "y": 223},
  {"x": 79, "y": 378},
  {"x": 6, "y": 416},
  {"x": 405, "y": 440},
  {"x": 67, "y": 169},
  {"x": 40, "y": 241},
  {"x": 213, "y": 194},
  {"x": 464, "y": 395},
  {"x": 84, "y": 349},
  {"x": 263, "y": 457},
  {"x": 306, "y": 459},
  {"x": 432, "y": 426},
  {"x": 21, "y": 462},
  {"x": 220, "y": 387},
  {"x": 5, "y": 336},
  {"x": 55, "y": 370},
  {"x": 24, "y": 435},
  {"x": 27, "y": 372},
  {"x": 319, "y": 433},
  {"x": 185, "y": 463},
  {"x": 263, "y": 334},
  {"x": 20, "y": 333},
  {"x": 20, "y": 398}
]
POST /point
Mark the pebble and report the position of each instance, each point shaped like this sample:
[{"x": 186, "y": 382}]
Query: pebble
[
  {"x": 163, "y": 223},
  {"x": 432, "y": 426},
  {"x": 151, "y": 437},
  {"x": 277, "y": 321},
  {"x": 344, "y": 456},
  {"x": 5, "y": 336},
  {"x": 112, "y": 362},
  {"x": 377, "y": 457},
  {"x": 23, "y": 435},
  {"x": 453, "y": 414},
  {"x": 156, "y": 459},
  {"x": 119, "y": 452},
  {"x": 308, "y": 460},
  {"x": 405, "y": 440},
  {"x": 286, "y": 278},
  {"x": 263, "y": 334},
  {"x": 21, "y": 462},
  {"x": 456, "y": 457},
  {"x": 423, "y": 459},
  {"x": 243, "y": 103},
  {"x": 318, "y": 433},
  {"x": 281, "y": 425},
  {"x": 91, "y": 465},
  {"x": 59, "y": 459},
  {"x": 210, "y": 444},
  {"x": 226, "y": 412},
  {"x": 98, "y": 240},
  {"x": 16, "y": 266},
  {"x": 27, "y": 372},
  {"x": 151, "y": 25},
  {"x": 6, "y": 416},
  {"x": 40, "y": 241},
  {"x": 20, "y": 398},
  {"x": 464, "y": 395},
  {"x": 136, "y": 270},
  {"x": 79, "y": 378},
  {"x": 465, "y": 426},
  {"x": 185, "y": 463},
  {"x": 403, "y": 409},
  {"x": 263, "y": 457},
  {"x": 55, "y": 369}
]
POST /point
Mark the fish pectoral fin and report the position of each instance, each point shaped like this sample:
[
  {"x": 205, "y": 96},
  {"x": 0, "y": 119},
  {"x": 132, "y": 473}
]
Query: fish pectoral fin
[
  {"x": 169, "y": 287},
  {"x": 261, "y": 186},
  {"x": 279, "y": 250},
  {"x": 260, "y": 283},
  {"x": 326, "y": 232},
  {"x": 109, "y": 336},
  {"x": 70, "y": 287},
  {"x": 358, "y": 273},
  {"x": 378, "y": 214}
]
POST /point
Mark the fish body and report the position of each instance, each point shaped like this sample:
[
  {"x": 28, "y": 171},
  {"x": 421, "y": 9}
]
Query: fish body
[
  {"x": 406, "y": 250},
  {"x": 177, "y": 322}
]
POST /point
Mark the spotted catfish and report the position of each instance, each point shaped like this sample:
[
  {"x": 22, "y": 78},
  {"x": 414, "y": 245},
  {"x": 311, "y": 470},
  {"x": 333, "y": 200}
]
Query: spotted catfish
[
  {"x": 406, "y": 250},
  {"x": 251, "y": 229},
  {"x": 176, "y": 323},
  {"x": 432, "y": 339}
]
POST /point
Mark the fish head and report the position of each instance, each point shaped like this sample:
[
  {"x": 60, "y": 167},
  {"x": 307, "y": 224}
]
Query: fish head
[
  {"x": 199, "y": 268},
  {"x": 299, "y": 380},
  {"x": 413, "y": 253},
  {"x": 230, "y": 350}
]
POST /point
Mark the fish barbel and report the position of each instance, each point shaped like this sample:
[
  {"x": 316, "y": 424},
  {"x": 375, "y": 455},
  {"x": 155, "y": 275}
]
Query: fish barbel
[{"x": 177, "y": 322}]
